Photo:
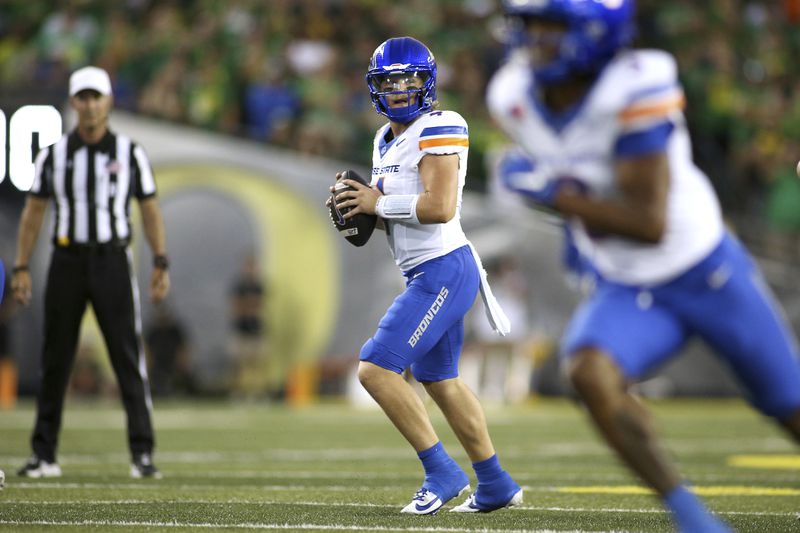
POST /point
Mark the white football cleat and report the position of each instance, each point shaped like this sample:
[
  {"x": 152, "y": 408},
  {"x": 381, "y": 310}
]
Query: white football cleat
[
  {"x": 426, "y": 502},
  {"x": 471, "y": 506}
]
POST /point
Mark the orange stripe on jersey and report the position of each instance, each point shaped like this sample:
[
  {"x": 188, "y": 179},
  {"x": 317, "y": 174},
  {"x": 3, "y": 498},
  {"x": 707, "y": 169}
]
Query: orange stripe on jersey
[
  {"x": 655, "y": 109},
  {"x": 446, "y": 141}
]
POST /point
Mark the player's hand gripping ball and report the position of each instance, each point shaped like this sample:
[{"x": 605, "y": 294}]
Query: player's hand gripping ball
[{"x": 356, "y": 229}]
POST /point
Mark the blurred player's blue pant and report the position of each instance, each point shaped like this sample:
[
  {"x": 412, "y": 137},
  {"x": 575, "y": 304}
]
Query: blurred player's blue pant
[
  {"x": 724, "y": 300},
  {"x": 424, "y": 326}
]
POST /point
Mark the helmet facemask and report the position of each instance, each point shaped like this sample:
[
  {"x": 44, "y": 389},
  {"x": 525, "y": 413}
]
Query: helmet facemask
[
  {"x": 545, "y": 43},
  {"x": 389, "y": 90}
]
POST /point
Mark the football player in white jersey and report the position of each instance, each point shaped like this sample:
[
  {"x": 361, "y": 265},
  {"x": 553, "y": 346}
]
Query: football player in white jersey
[
  {"x": 604, "y": 142},
  {"x": 418, "y": 173}
]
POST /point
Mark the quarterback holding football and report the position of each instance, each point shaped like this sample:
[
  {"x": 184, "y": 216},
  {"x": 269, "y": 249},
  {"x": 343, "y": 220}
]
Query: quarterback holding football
[{"x": 419, "y": 166}]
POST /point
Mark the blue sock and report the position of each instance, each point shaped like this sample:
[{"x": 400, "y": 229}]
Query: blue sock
[
  {"x": 434, "y": 458},
  {"x": 689, "y": 512},
  {"x": 488, "y": 470},
  {"x": 443, "y": 476},
  {"x": 495, "y": 485}
]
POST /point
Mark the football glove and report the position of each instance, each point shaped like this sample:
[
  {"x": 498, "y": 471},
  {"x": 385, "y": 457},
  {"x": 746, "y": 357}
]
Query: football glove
[{"x": 518, "y": 174}]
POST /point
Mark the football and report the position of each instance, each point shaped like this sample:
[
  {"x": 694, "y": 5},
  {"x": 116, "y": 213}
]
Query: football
[{"x": 358, "y": 229}]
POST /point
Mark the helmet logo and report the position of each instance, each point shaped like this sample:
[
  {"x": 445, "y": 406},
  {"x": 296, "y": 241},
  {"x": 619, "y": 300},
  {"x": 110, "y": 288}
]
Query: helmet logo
[{"x": 397, "y": 66}]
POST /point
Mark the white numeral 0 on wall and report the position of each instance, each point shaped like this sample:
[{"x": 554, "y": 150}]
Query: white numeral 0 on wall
[{"x": 45, "y": 120}]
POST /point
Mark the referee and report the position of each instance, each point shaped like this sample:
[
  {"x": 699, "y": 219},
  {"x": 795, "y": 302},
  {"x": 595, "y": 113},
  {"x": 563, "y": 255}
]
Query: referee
[{"x": 91, "y": 174}]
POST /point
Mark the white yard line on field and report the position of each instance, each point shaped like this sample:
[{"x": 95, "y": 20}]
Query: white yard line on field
[
  {"x": 569, "y": 449},
  {"x": 331, "y": 527},
  {"x": 519, "y": 508}
]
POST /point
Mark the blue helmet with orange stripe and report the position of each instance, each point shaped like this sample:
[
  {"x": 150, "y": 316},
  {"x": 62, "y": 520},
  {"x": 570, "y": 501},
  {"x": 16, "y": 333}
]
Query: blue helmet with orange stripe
[
  {"x": 404, "y": 68},
  {"x": 593, "y": 31}
]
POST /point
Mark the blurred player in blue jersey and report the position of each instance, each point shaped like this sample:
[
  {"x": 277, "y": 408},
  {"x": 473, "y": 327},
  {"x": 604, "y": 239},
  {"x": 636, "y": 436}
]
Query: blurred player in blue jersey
[
  {"x": 418, "y": 174},
  {"x": 606, "y": 145}
]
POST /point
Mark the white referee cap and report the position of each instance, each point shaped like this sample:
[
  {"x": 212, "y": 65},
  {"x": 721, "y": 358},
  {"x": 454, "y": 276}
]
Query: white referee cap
[{"x": 93, "y": 78}]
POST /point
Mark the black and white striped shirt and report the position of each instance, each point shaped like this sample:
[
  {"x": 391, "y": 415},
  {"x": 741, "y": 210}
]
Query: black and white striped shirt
[{"x": 92, "y": 186}]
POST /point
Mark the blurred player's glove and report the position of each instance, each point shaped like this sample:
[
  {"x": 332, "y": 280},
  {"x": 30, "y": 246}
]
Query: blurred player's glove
[{"x": 518, "y": 174}]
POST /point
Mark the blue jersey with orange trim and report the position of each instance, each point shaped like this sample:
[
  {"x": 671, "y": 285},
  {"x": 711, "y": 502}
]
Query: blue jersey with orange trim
[
  {"x": 633, "y": 109},
  {"x": 395, "y": 170}
]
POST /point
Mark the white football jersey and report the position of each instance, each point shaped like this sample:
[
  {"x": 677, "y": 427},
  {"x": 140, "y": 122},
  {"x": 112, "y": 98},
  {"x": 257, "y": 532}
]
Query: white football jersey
[
  {"x": 636, "y": 92},
  {"x": 395, "y": 170}
]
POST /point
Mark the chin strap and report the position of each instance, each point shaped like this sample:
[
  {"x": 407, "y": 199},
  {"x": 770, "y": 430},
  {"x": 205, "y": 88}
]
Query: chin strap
[{"x": 494, "y": 313}]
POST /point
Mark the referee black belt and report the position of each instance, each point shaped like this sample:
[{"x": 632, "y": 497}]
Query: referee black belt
[{"x": 100, "y": 248}]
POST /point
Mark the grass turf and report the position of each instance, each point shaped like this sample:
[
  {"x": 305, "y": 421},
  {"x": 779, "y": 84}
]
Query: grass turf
[{"x": 330, "y": 467}]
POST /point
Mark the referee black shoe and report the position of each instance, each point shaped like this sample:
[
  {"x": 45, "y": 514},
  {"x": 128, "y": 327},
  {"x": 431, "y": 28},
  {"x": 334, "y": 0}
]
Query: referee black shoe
[
  {"x": 142, "y": 466},
  {"x": 37, "y": 468}
]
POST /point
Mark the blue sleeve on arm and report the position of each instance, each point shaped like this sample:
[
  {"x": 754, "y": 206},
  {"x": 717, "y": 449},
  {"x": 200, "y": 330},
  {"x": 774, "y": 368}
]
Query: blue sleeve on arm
[{"x": 644, "y": 142}]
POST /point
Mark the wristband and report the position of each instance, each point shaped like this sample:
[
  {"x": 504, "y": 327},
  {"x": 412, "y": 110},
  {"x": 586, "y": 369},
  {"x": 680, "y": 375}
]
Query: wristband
[
  {"x": 160, "y": 261},
  {"x": 19, "y": 268},
  {"x": 398, "y": 206}
]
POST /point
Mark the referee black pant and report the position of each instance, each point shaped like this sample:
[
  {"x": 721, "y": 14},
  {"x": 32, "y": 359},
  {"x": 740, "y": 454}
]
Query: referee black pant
[{"x": 100, "y": 275}]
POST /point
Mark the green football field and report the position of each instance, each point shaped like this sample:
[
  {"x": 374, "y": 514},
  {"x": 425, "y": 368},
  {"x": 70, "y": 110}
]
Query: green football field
[{"x": 231, "y": 466}]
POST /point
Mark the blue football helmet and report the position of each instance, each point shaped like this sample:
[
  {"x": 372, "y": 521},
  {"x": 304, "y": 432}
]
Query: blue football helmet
[
  {"x": 394, "y": 68},
  {"x": 595, "y": 31}
]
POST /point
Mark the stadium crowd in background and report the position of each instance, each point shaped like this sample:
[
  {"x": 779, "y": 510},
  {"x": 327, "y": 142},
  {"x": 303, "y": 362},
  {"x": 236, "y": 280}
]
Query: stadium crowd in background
[{"x": 290, "y": 72}]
